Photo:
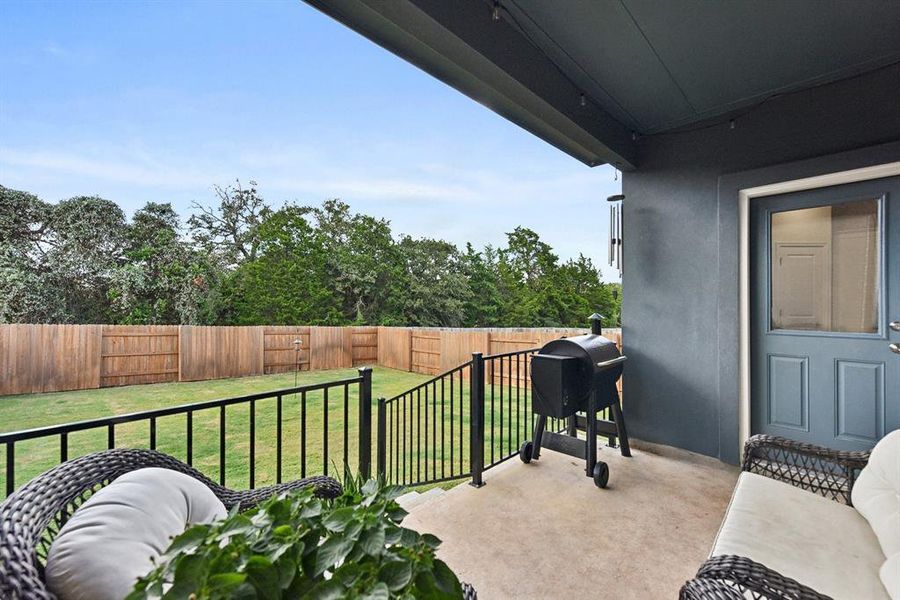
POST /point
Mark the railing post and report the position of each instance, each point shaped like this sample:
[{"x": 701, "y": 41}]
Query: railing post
[
  {"x": 365, "y": 423},
  {"x": 381, "y": 435},
  {"x": 476, "y": 411}
]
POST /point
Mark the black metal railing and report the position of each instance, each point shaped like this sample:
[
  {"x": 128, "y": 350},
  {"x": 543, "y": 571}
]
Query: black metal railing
[
  {"x": 508, "y": 415},
  {"x": 459, "y": 423},
  {"x": 300, "y": 417},
  {"x": 424, "y": 434}
]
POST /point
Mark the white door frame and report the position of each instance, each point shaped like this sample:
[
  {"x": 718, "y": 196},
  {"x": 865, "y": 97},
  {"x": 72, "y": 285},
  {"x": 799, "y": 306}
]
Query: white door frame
[{"x": 744, "y": 197}]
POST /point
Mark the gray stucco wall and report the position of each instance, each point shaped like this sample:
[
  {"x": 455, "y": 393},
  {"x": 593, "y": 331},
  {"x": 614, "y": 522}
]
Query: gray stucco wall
[{"x": 680, "y": 285}]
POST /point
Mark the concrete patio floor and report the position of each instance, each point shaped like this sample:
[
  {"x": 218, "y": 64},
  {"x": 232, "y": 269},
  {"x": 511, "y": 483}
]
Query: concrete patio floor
[{"x": 544, "y": 530}]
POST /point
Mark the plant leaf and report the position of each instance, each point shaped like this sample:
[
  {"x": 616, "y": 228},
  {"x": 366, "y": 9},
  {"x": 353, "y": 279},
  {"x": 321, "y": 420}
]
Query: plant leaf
[
  {"x": 188, "y": 541},
  {"x": 238, "y": 525},
  {"x": 263, "y": 576},
  {"x": 397, "y": 514},
  {"x": 330, "y": 553},
  {"x": 446, "y": 580},
  {"x": 222, "y": 583},
  {"x": 395, "y": 574},
  {"x": 379, "y": 592},
  {"x": 372, "y": 541},
  {"x": 311, "y": 509},
  {"x": 409, "y": 537},
  {"x": 392, "y": 534},
  {"x": 327, "y": 590},
  {"x": 370, "y": 488},
  {"x": 337, "y": 520}
]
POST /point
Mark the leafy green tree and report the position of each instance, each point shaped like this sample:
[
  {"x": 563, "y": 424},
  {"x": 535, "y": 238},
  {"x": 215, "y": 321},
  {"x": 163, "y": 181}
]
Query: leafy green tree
[
  {"x": 146, "y": 286},
  {"x": 363, "y": 261},
  {"x": 538, "y": 291},
  {"x": 482, "y": 305},
  {"x": 28, "y": 291},
  {"x": 229, "y": 230},
  {"x": 434, "y": 289},
  {"x": 528, "y": 275},
  {"x": 288, "y": 284},
  {"x": 582, "y": 284},
  {"x": 86, "y": 239}
]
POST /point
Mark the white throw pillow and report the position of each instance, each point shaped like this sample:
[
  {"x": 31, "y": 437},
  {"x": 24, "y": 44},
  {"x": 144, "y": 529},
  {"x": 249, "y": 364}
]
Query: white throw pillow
[
  {"x": 876, "y": 494},
  {"x": 110, "y": 540}
]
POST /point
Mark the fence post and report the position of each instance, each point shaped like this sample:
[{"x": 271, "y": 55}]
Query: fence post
[
  {"x": 365, "y": 422},
  {"x": 476, "y": 412},
  {"x": 381, "y": 435}
]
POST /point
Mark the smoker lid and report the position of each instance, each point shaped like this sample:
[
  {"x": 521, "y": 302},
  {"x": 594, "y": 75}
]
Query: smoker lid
[
  {"x": 590, "y": 349},
  {"x": 594, "y": 348}
]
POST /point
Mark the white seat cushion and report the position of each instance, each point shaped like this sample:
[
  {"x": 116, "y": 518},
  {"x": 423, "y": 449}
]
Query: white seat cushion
[
  {"x": 820, "y": 543},
  {"x": 876, "y": 493},
  {"x": 112, "y": 538},
  {"x": 890, "y": 576}
]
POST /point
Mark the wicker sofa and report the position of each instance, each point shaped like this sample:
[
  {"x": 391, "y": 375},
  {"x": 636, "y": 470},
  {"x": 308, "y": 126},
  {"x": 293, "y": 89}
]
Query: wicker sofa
[
  {"x": 791, "y": 531},
  {"x": 31, "y": 517}
]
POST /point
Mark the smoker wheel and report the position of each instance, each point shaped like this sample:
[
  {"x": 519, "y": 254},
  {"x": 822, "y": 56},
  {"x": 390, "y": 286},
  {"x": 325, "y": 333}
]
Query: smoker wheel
[
  {"x": 601, "y": 474},
  {"x": 525, "y": 452}
]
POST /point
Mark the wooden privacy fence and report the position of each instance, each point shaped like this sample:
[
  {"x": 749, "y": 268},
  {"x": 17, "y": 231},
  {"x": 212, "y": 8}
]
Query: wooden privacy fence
[{"x": 49, "y": 358}]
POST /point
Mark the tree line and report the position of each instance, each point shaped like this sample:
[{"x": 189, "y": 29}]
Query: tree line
[{"x": 240, "y": 261}]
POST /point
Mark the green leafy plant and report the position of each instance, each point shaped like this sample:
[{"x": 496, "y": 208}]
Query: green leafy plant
[{"x": 298, "y": 546}]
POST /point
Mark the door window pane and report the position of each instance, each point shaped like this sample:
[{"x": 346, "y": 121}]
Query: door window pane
[{"x": 825, "y": 264}]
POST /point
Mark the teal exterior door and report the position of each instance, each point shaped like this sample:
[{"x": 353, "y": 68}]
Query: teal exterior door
[{"x": 825, "y": 314}]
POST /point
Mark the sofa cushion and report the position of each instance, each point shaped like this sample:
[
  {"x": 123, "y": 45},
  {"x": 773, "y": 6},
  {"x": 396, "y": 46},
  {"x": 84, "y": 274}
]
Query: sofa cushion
[
  {"x": 876, "y": 494},
  {"x": 890, "y": 576},
  {"x": 112, "y": 538},
  {"x": 820, "y": 543}
]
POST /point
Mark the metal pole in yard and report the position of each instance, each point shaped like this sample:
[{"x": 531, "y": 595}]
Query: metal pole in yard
[{"x": 297, "y": 344}]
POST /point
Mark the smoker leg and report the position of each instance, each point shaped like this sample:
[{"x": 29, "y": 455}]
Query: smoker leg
[
  {"x": 572, "y": 426},
  {"x": 591, "y": 437},
  {"x": 620, "y": 427},
  {"x": 538, "y": 434}
]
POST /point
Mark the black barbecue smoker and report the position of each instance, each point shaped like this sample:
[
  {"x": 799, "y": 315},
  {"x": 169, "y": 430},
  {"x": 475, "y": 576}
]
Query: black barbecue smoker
[{"x": 577, "y": 375}]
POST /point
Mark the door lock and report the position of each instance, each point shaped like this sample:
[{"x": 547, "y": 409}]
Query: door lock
[
  {"x": 894, "y": 325},
  {"x": 895, "y": 348}
]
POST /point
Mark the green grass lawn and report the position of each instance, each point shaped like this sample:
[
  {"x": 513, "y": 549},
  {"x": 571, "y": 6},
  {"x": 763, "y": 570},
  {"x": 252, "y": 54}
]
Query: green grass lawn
[{"x": 427, "y": 450}]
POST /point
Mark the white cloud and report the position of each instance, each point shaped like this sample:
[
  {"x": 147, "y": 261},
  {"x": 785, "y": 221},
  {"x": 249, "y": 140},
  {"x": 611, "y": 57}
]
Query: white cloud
[
  {"x": 64, "y": 164},
  {"x": 292, "y": 171}
]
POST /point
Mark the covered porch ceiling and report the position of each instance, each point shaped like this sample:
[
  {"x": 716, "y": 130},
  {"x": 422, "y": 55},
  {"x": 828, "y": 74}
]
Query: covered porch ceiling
[{"x": 593, "y": 76}]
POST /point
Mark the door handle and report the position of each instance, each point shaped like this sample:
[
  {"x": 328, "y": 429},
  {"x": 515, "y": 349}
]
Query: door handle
[
  {"x": 895, "y": 348},
  {"x": 894, "y": 325}
]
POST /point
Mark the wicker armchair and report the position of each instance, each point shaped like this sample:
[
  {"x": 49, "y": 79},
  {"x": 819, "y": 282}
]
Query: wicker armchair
[
  {"x": 31, "y": 517},
  {"x": 823, "y": 471}
]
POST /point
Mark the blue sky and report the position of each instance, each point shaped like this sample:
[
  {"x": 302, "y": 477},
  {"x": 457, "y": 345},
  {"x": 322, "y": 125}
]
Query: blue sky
[{"x": 139, "y": 101}]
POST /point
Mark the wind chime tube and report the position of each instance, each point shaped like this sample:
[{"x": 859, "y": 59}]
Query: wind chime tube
[
  {"x": 616, "y": 235},
  {"x": 619, "y": 239},
  {"x": 612, "y": 246}
]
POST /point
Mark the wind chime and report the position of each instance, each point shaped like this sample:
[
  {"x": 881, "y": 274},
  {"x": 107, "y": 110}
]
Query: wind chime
[{"x": 615, "y": 232}]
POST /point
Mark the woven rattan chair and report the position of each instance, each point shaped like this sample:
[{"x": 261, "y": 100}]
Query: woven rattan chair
[
  {"x": 823, "y": 471},
  {"x": 32, "y": 516}
]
